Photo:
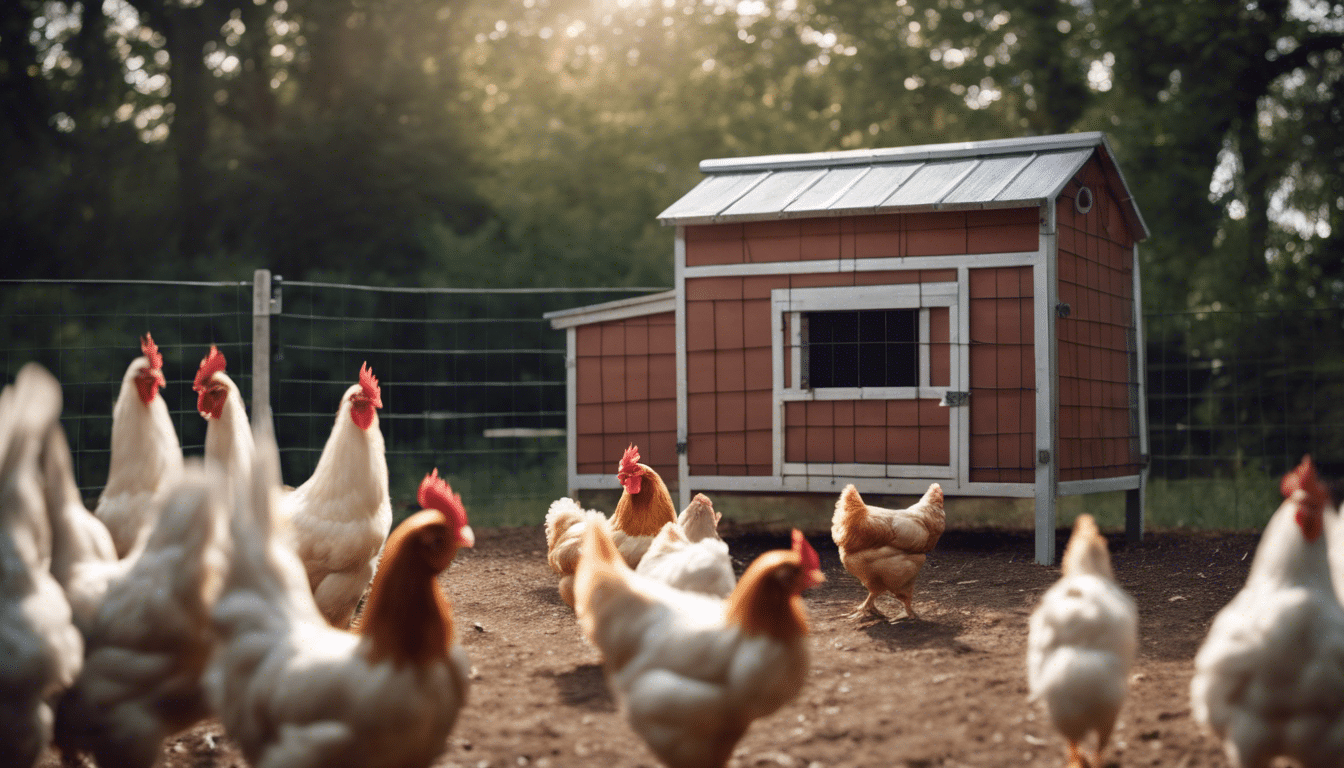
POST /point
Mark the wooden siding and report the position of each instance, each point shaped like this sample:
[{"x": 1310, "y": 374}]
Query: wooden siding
[
  {"x": 939, "y": 233},
  {"x": 1097, "y": 437},
  {"x": 1002, "y": 376},
  {"x": 730, "y": 397},
  {"x": 626, "y": 392},
  {"x": 867, "y": 432}
]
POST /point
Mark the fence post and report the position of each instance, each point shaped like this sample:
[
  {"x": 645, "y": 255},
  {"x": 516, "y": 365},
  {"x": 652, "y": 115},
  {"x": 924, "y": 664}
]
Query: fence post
[{"x": 261, "y": 346}]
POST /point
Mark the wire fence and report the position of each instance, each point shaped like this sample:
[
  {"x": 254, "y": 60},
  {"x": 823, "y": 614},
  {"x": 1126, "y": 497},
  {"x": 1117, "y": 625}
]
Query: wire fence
[
  {"x": 473, "y": 383},
  {"x": 472, "y": 380}
]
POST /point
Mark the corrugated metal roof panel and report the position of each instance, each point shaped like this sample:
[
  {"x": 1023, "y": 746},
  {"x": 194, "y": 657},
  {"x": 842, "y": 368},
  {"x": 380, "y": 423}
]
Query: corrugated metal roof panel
[
  {"x": 876, "y": 186},
  {"x": 997, "y": 173},
  {"x": 992, "y": 175},
  {"x": 818, "y": 197},
  {"x": 931, "y": 183},
  {"x": 1046, "y": 175},
  {"x": 774, "y": 192},
  {"x": 712, "y": 195}
]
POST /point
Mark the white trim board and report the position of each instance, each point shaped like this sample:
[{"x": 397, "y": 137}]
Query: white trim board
[
  {"x": 874, "y": 264},
  {"x": 639, "y": 306}
]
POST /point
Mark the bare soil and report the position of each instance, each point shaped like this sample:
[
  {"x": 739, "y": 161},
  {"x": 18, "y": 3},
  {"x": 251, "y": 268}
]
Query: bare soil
[{"x": 946, "y": 689}]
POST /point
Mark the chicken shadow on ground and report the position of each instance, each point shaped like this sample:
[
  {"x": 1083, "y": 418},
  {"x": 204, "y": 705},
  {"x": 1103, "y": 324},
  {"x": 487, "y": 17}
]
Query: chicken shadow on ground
[
  {"x": 550, "y": 595},
  {"x": 910, "y": 634},
  {"x": 583, "y": 686}
]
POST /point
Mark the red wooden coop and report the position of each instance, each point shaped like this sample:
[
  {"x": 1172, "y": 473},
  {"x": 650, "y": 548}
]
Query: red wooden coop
[{"x": 961, "y": 313}]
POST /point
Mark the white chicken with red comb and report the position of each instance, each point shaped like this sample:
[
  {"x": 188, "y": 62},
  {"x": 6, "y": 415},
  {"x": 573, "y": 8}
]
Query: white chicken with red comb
[
  {"x": 1269, "y": 678},
  {"x": 341, "y": 515},
  {"x": 146, "y": 456},
  {"x": 228, "y": 436}
]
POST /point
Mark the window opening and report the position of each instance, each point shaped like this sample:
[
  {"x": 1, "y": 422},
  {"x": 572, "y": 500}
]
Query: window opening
[{"x": 862, "y": 348}]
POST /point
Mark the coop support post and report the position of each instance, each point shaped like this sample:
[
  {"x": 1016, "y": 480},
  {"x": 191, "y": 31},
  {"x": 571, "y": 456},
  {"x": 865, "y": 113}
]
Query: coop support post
[
  {"x": 1135, "y": 499},
  {"x": 1047, "y": 385},
  {"x": 261, "y": 346},
  {"x": 683, "y": 448},
  {"x": 572, "y": 411}
]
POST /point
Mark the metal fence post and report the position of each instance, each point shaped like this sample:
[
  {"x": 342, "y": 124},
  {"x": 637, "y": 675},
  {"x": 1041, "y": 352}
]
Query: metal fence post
[{"x": 261, "y": 346}]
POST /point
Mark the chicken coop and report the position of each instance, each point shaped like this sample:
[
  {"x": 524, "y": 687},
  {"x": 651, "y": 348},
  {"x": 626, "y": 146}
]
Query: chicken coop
[{"x": 967, "y": 314}]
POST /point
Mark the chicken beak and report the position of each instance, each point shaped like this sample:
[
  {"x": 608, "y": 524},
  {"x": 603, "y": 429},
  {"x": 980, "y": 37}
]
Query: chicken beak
[
  {"x": 815, "y": 578},
  {"x": 466, "y": 537}
]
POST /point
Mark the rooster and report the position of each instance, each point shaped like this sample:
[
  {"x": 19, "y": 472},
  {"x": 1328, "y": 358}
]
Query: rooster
[
  {"x": 296, "y": 692},
  {"x": 1269, "y": 677},
  {"x": 689, "y": 554},
  {"x": 644, "y": 507},
  {"x": 228, "y": 438},
  {"x": 41, "y": 651},
  {"x": 691, "y": 672},
  {"x": 147, "y": 646},
  {"x": 1081, "y": 643},
  {"x": 341, "y": 515},
  {"x": 146, "y": 456},
  {"x": 885, "y": 548}
]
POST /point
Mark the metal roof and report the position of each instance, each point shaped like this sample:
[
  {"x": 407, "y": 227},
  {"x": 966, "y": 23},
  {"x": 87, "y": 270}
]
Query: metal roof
[{"x": 1003, "y": 173}]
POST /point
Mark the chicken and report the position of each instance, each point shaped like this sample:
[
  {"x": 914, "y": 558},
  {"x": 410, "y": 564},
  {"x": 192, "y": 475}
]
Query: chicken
[
  {"x": 691, "y": 672},
  {"x": 341, "y": 515},
  {"x": 41, "y": 651},
  {"x": 644, "y": 507},
  {"x": 885, "y": 548},
  {"x": 298, "y": 693},
  {"x": 147, "y": 646},
  {"x": 1081, "y": 642},
  {"x": 228, "y": 438},
  {"x": 1269, "y": 678},
  {"x": 146, "y": 456},
  {"x": 689, "y": 554}
]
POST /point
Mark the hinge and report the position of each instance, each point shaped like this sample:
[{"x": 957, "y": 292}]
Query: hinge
[
  {"x": 952, "y": 398},
  {"x": 681, "y": 448}
]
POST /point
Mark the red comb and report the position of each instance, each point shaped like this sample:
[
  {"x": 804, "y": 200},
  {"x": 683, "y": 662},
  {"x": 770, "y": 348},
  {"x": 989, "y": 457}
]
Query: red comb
[
  {"x": 629, "y": 460},
  {"x": 370, "y": 384},
  {"x": 806, "y": 554},
  {"x": 210, "y": 365},
  {"x": 1303, "y": 478},
  {"x": 435, "y": 493},
  {"x": 151, "y": 351}
]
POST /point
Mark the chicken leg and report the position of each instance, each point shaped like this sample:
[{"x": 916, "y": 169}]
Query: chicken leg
[{"x": 1076, "y": 758}]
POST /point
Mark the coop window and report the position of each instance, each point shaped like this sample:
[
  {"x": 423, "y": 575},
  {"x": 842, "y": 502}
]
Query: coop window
[{"x": 860, "y": 348}]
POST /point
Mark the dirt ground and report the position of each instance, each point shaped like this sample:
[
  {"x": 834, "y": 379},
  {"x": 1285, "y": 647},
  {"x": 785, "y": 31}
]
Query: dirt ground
[{"x": 948, "y": 689}]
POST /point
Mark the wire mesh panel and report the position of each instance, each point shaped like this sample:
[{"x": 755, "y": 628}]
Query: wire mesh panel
[
  {"x": 1234, "y": 400},
  {"x": 87, "y": 332},
  {"x": 472, "y": 383}
]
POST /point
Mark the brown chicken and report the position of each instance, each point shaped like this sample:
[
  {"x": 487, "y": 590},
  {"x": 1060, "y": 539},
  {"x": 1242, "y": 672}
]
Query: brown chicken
[
  {"x": 885, "y": 548},
  {"x": 645, "y": 506}
]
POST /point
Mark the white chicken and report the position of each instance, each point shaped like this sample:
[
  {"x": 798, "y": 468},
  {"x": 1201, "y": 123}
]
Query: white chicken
[
  {"x": 341, "y": 515},
  {"x": 644, "y": 508},
  {"x": 691, "y": 672},
  {"x": 41, "y": 652},
  {"x": 228, "y": 437},
  {"x": 146, "y": 456},
  {"x": 1081, "y": 643},
  {"x": 1269, "y": 678},
  {"x": 151, "y": 637},
  {"x": 296, "y": 692},
  {"x": 689, "y": 554}
]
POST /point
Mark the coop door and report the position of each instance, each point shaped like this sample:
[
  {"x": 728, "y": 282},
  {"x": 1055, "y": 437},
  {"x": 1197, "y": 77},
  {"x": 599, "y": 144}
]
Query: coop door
[{"x": 868, "y": 381}]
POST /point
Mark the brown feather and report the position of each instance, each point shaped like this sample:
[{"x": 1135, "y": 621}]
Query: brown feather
[
  {"x": 767, "y": 599},
  {"x": 644, "y": 513},
  {"x": 407, "y": 617}
]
